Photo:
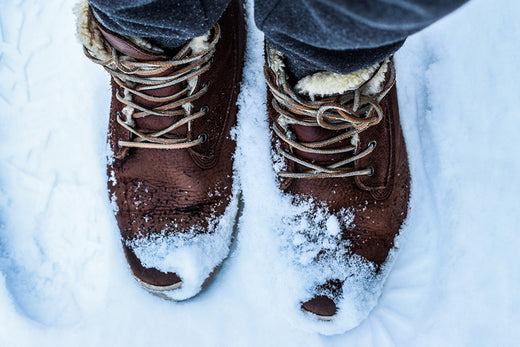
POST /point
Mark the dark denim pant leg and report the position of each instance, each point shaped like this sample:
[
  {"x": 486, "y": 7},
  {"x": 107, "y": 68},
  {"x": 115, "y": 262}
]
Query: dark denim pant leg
[
  {"x": 343, "y": 35},
  {"x": 333, "y": 35},
  {"x": 168, "y": 23}
]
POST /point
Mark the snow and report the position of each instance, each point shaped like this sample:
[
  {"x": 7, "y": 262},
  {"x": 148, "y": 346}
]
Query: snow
[
  {"x": 63, "y": 277},
  {"x": 192, "y": 254}
]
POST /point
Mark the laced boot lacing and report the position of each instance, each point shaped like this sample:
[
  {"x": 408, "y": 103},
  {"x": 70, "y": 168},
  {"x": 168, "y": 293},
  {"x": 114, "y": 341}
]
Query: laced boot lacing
[
  {"x": 136, "y": 76},
  {"x": 352, "y": 112}
]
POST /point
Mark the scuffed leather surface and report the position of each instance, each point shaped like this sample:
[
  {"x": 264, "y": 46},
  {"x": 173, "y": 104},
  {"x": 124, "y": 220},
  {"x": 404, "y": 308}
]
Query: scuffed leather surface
[
  {"x": 177, "y": 191},
  {"x": 379, "y": 202}
]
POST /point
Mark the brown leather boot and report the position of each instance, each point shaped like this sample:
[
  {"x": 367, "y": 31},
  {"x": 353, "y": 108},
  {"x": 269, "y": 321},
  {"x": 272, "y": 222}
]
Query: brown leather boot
[
  {"x": 339, "y": 152},
  {"x": 171, "y": 168}
]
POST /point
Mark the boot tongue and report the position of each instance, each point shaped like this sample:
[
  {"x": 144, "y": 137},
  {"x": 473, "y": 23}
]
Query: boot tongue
[
  {"x": 125, "y": 46},
  {"x": 314, "y": 134},
  {"x": 151, "y": 122},
  {"x": 329, "y": 85}
]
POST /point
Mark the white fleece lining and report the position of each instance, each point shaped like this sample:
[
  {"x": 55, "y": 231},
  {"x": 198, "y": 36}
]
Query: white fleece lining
[
  {"x": 92, "y": 38},
  {"x": 199, "y": 44},
  {"x": 276, "y": 64},
  {"x": 329, "y": 83},
  {"x": 375, "y": 85},
  {"x": 325, "y": 83},
  {"x": 88, "y": 33}
]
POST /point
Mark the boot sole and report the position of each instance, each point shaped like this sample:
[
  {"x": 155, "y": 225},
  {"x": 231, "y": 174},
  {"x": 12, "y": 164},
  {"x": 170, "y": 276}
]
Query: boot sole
[{"x": 322, "y": 318}]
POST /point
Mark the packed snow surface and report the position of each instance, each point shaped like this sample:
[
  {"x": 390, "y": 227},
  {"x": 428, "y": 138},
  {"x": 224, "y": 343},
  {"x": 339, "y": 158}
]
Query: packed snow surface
[{"x": 455, "y": 279}]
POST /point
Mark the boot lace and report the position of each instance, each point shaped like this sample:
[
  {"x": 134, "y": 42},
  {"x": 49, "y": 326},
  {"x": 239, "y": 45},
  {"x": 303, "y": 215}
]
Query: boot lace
[
  {"x": 349, "y": 114},
  {"x": 135, "y": 77}
]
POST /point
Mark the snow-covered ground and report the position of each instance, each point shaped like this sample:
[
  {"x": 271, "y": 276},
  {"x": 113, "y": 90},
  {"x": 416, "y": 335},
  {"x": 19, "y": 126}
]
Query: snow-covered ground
[{"x": 63, "y": 277}]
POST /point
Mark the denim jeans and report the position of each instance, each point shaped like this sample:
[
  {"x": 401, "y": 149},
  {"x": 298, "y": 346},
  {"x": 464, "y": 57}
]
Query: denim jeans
[{"x": 332, "y": 35}]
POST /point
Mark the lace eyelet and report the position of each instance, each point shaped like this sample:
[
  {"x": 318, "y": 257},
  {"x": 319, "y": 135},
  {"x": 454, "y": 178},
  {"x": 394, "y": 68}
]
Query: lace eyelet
[
  {"x": 119, "y": 143},
  {"x": 371, "y": 171},
  {"x": 203, "y": 137},
  {"x": 205, "y": 109},
  {"x": 372, "y": 144}
]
